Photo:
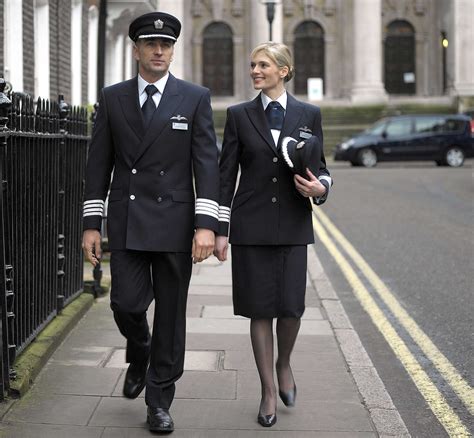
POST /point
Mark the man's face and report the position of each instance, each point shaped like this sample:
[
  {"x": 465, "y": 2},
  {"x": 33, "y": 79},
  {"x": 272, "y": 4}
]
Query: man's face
[{"x": 154, "y": 56}]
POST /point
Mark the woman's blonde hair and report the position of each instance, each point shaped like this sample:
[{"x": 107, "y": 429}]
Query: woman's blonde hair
[{"x": 279, "y": 53}]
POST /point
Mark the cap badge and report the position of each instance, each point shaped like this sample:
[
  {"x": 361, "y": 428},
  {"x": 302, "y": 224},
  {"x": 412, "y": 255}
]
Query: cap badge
[
  {"x": 300, "y": 145},
  {"x": 158, "y": 24}
]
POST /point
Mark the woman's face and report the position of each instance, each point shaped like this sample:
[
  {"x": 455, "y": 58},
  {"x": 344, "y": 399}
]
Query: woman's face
[{"x": 265, "y": 73}]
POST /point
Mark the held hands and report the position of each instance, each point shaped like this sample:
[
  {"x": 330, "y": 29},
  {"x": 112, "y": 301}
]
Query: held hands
[
  {"x": 222, "y": 245},
  {"x": 309, "y": 189},
  {"x": 91, "y": 246},
  {"x": 203, "y": 244}
]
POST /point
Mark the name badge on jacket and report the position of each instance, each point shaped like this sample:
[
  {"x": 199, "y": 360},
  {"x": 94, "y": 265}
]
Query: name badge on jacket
[
  {"x": 181, "y": 124},
  {"x": 305, "y": 132}
]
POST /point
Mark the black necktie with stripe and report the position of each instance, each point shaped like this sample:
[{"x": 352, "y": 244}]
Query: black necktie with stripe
[{"x": 149, "y": 106}]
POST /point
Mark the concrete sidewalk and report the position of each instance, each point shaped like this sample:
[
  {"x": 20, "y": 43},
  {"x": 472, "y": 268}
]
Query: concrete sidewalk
[{"x": 78, "y": 393}]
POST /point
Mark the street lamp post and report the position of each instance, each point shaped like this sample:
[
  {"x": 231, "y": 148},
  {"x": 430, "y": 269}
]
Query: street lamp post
[{"x": 270, "y": 4}]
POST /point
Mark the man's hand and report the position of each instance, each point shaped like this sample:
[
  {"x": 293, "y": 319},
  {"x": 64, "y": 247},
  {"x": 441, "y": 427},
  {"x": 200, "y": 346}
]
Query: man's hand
[
  {"x": 91, "y": 246},
  {"x": 220, "y": 251},
  {"x": 309, "y": 189},
  {"x": 203, "y": 244}
]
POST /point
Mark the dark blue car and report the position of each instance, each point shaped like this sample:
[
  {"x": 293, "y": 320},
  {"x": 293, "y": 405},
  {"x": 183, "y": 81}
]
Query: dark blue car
[{"x": 445, "y": 139}]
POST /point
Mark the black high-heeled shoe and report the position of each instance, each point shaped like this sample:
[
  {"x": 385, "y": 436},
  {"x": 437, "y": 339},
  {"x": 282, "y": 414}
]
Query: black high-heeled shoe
[
  {"x": 266, "y": 420},
  {"x": 288, "y": 398}
]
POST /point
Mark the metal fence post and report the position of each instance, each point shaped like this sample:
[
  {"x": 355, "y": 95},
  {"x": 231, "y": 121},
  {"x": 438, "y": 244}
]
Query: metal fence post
[
  {"x": 6, "y": 293},
  {"x": 63, "y": 109}
]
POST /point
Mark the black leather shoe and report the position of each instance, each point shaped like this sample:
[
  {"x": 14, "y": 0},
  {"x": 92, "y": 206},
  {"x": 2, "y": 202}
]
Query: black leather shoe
[
  {"x": 266, "y": 420},
  {"x": 159, "y": 420},
  {"x": 135, "y": 379},
  {"x": 288, "y": 398}
]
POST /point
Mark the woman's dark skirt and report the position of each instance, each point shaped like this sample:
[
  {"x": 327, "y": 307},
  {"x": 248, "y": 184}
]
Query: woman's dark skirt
[{"x": 269, "y": 281}]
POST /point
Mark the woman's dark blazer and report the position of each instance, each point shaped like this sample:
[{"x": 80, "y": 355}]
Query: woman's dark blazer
[{"x": 266, "y": 209}]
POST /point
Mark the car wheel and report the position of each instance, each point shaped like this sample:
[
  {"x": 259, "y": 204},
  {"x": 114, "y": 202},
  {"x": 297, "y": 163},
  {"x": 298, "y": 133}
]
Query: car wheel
[
  {"x": 454, "y": 157},
  {"x": 367, "y": 157}
]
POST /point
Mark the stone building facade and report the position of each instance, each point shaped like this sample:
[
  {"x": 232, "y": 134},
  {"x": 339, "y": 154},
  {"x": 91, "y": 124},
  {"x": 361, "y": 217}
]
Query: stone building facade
[
  {"x": 44, "y": 47},
  {"x": 363, "y": 50}
]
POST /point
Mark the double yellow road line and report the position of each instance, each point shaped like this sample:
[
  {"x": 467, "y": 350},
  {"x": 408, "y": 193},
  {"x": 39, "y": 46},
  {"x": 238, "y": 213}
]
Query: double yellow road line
[{"x": 329, "y": 234}]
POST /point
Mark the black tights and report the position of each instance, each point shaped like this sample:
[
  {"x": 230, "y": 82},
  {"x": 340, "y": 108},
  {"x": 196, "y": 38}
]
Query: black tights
[{"x": 261, "y": 334}]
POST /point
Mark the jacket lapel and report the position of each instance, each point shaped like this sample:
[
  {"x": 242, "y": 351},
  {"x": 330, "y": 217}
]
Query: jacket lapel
[
  {"x": 161, "y": 117},
  {"x": 259, "y": 121},
  {"x": 294, "y": 111},
  {"x": 131, "y": 107}
]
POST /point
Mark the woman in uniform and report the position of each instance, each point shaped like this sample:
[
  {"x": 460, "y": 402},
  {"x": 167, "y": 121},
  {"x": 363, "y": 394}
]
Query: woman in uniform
[{"x": 270, "y": 216}]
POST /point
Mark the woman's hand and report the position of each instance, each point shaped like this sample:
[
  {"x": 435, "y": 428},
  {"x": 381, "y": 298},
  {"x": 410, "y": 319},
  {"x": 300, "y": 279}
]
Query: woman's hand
[
  {"x": 220, "y": 250},
  {"x": 309, "y": 189}
]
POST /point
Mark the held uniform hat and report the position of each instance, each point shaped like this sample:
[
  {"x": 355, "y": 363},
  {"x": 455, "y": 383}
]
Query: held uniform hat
[
  {"x": 301, "y": 155},
  {"x": 155, "y": 25}
]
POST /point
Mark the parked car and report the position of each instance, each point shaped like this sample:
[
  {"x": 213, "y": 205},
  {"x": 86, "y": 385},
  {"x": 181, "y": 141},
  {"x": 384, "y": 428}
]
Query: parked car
[{"x": 446, "y": 139}]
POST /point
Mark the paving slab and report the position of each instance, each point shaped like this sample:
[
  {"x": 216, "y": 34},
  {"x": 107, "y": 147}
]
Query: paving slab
[
  {"x": 241, "y": 326},
  {"x": 53, "y": 409},
  {"x": 319, "y": 386},
  {"x": 203, "y": 385},
  {"x": 112, "y": 432},
  {"x": 86, "y": 356},
  {"x": 300, "y": 361},
  {"x": 77, "y": 380},
  {"x": 194, "y": 360},
  {"x": 237, "y": 414},
  {"x": 206, "y": 289},
  {"x": 31, "y": 430},
  {"x": 227, "y": 312}
]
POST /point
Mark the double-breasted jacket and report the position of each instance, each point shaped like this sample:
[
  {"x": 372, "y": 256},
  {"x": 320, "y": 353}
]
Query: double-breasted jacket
[{"x": 165, "y": 179}]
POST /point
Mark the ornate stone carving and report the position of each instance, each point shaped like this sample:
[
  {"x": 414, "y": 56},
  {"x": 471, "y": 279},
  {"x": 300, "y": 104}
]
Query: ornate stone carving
[
  {"x": 237, "y": 8},
  {"x": 420, "y": 7},
  {"x": 196, "y": 8},
  {"x": 288, "y": 7},
  {"x": 329, "y": 7}
]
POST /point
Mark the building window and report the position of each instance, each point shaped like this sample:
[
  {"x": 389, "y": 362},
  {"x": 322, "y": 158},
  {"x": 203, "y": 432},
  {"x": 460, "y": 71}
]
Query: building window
[
  {"x": 309, "y": 54},
  {"x": 218, "y": 59},
  {"x": 399, "y": 58}
]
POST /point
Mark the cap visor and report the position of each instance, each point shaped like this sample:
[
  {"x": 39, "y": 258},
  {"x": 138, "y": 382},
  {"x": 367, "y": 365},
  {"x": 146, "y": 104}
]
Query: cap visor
[{"x": 157, "y": 35}]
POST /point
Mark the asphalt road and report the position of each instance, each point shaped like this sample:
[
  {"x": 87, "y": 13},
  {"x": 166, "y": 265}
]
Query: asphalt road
[{"x": 413, "y": 224}]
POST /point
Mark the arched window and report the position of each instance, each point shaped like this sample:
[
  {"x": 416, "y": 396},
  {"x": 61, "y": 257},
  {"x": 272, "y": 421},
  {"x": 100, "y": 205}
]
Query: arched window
[
  {"x": 309, "y": 54},
  {"x": 218, "y": 59},
  {"x": 399, "y": 58}
]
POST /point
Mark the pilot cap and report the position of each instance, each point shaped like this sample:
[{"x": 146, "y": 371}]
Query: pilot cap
[
  {"x": 155, "y": 25},
  {"x": 301, "y": 155}
]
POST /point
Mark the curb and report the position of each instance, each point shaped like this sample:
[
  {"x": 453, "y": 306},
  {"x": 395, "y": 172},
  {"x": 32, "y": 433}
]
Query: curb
[
  {"x": 383, "y": 413},
  {"x": 34, "y": 357}
]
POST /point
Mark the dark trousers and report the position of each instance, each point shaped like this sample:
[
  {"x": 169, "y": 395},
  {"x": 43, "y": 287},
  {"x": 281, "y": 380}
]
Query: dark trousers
[{"x": 138, "y": 277}]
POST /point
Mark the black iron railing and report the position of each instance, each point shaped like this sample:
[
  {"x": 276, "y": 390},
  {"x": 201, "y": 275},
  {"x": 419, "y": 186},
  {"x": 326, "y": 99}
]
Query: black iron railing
[{"x": 43, "y": 147}]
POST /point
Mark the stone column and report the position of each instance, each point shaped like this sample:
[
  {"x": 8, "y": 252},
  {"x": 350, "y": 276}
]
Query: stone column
[
  {"x": 367, "y": 85},
  {"x": 259, "y": 33},
  {"x": 176, "y": 8},
  {"x": 259, "y": 29},
  {"x": 462, "y": 47}
]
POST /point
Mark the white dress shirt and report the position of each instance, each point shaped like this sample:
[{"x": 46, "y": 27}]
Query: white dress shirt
[{"x": 159, "y": 84}]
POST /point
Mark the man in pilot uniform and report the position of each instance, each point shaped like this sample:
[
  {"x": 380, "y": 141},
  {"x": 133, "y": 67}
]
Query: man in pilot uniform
[{"x": 155, "y": 134}]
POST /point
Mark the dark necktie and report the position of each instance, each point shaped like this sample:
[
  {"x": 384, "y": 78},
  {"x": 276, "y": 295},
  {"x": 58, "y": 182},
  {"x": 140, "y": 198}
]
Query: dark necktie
[
  {"x": 275, "y": 115},
  {"x": 149, "y": 106}
]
